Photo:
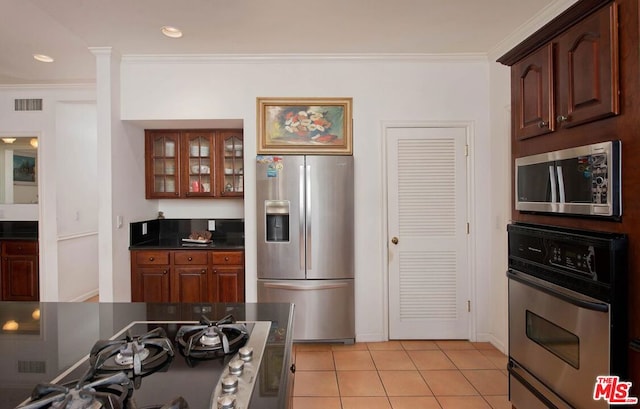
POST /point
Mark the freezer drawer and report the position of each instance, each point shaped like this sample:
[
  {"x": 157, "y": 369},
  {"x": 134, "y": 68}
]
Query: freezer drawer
[{"x": 324, "y": 309}]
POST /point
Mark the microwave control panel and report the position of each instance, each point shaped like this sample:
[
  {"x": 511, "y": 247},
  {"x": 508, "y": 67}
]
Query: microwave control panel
[{"x": 599, "y": 178}]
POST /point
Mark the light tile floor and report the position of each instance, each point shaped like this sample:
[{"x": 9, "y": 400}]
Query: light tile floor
[{"x": 400, "y": 375}]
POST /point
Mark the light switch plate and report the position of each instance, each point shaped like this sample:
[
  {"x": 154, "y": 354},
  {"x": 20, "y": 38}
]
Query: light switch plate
[{"x": 212, "y": 225}]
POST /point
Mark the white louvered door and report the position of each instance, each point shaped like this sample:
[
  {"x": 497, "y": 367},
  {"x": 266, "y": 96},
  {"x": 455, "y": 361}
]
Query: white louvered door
[{"x": 427, "y": 213}]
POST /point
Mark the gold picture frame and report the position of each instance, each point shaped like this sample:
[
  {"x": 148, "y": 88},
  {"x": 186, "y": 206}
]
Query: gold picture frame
[{"x": 305, "y": 126}]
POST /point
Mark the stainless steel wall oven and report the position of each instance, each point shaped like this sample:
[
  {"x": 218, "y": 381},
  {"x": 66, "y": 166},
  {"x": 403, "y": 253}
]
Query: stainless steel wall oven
[{"x": 567, "y": 314}]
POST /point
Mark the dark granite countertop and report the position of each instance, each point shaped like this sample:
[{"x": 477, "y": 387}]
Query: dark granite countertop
[
  {"x": 167, "y": 234},
  {"x": 18, "y": 230},
  {"x": 178, "y": 244},
  {"x": 52, "y": 337}
]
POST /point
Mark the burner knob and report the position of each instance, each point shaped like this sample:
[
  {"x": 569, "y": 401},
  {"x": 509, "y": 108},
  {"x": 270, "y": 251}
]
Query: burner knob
[
  {"x": 227, "y": 402},
  {"x": 236, "y": 366},
  {"x": 230, "y": 384},
  {"x": 246, "y": 353}
]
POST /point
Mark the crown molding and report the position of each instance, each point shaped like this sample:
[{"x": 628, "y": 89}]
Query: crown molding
[
  {"x": 300, "y": 58},
  {"x": 530, "y": 27},
  {"x": 49, "y": 86}
]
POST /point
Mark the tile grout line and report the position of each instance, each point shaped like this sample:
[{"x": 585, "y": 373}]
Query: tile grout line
[{"x": 403, "y": 348}]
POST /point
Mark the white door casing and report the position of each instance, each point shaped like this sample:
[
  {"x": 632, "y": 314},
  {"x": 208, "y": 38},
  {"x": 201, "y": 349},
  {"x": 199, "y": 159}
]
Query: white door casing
[{"x": 427, "y": 211}]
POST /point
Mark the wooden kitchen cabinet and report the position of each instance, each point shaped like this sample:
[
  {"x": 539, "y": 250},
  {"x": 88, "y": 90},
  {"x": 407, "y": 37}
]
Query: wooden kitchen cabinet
[
  {"x": 150, "y": 276},
  {"x": 228, "y": 275},
  {"x": 198, "y": 170},
  {"x": 190, "y": 285},
  {"x": 588, "y": 83},
  {"x": 569, "y": 81},
  {"x": 162, "y": 164},
  {"x": 183, "y": 164},
  {"x": 230, "y": 163},
  {"x": 532, "y": 88},
  {"x": 150, "y": 284},
  {"x": 190, "y": 277},
  {"x": 185, "y": 276},
  {"x": 19, "y": 272}
]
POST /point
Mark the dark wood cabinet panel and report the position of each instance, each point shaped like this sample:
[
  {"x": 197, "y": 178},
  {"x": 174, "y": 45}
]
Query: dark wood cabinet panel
[
  {"x": 199, "y": 163},
  {"x": 19, "y": 279},
  {"x": 19, "y": 275},
  {"x": 532, "y": 87},
  {"x": 229, "y": 284},
  {"x": 150, "y": 284},
  {"x": 190, "y": 284},
  {"x": 588, "y": 83}
]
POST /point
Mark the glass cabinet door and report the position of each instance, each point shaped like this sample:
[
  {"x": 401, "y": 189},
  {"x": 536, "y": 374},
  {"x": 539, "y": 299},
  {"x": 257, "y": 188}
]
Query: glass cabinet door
[
  {"x": 164, "y": 164},
  {"x": 200, "y": 148},
  {"x": 232, "y": 163}
]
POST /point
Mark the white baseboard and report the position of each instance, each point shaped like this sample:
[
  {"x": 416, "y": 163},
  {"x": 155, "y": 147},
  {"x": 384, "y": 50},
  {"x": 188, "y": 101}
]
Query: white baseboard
[
  {"x": 86, "y": 296},
  {"x": 490, "y": 338},
  {"x": 371, "y": 337}
]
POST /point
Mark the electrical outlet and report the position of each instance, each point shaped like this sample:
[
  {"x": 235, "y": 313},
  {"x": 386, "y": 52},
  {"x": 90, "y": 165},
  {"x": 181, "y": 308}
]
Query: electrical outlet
[
  {"x": 212, "y": 225},
  {"x": 144, "y": 228}
]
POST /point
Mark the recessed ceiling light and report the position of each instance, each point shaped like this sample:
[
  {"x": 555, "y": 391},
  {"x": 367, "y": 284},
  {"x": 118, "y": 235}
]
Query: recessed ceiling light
[
  {"x": 171, "y": 32},
  {"x": 42, "y": 58}
]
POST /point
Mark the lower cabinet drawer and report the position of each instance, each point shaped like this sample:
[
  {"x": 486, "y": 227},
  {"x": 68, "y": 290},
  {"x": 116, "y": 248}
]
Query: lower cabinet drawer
[
  {"x": 10, "y": 248},
  {"x": 152, "y": 257},
  {"x": 227, "y": 258},
  {"x": 190, "y": 257}
]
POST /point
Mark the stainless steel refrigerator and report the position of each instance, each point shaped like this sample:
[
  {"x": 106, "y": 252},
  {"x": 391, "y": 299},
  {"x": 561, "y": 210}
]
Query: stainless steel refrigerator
[{"x": 305, "y": 242}]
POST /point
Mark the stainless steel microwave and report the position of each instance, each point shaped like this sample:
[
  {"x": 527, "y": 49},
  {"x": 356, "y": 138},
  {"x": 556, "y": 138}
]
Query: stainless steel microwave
[{"x": 585, "y": 180}]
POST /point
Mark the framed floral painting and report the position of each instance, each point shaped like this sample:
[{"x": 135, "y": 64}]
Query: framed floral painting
[{"x": 305, "y": 126}]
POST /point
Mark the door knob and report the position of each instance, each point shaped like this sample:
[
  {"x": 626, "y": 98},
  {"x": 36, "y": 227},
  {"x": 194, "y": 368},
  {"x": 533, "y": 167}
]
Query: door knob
[{"x": 395, "y": 240}]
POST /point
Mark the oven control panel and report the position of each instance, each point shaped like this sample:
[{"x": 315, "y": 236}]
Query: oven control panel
[
  {"x": 579, "y": 259},
  {"x": 588, "y": 262}
]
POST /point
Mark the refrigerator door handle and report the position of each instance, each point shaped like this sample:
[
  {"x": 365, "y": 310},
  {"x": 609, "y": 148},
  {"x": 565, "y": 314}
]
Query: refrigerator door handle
[
  {"x": 308, "y": 217},
  {"x": 296, "y": 287},
  {"x": 301, "y": 189}
]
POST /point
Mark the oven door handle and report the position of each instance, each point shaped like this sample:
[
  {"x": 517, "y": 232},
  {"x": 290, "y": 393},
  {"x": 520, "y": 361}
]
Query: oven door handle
[{"x": 564, "y": 295}]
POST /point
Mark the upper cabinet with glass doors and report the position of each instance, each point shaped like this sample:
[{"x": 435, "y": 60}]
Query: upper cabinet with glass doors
[
  {"x": 193, "y": 164},
  {"x": 231, "y": 163},
  {"x": 199, "y": 150},
  {"x": 162, "y": 164}
]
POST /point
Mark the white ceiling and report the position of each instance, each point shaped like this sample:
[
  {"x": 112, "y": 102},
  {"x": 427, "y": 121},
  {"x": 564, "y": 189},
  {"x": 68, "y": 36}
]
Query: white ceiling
[{"x": 65, "y": 29}]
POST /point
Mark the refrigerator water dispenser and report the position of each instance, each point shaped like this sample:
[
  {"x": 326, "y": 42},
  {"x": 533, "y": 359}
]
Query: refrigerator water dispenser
[{"x": 277, "y": 213}]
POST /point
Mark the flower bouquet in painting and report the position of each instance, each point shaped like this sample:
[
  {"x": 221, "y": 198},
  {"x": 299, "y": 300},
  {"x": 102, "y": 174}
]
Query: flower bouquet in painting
[{"x": 288, "y": 126}]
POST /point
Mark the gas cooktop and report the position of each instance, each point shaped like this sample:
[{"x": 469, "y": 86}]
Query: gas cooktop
[{"x": 163, "y": 364}]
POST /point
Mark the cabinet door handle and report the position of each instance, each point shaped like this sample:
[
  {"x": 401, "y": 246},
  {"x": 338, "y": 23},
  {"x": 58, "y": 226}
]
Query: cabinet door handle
[
  {"x": 164, "y": 272},
  {"x": 562, "y": 118},
  {"x": 204, "y": 271},
  {"x": 543, "y": 124},
  {"x": 226, "y": 259},
  {"x": 190, "y": 259},
  {"x": 151, "y": 259}
]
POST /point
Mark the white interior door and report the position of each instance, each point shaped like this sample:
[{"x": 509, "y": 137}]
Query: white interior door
[{"x": 427, "y": 214}]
